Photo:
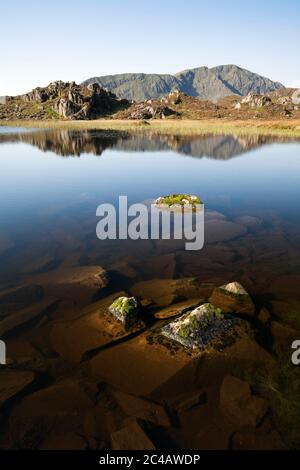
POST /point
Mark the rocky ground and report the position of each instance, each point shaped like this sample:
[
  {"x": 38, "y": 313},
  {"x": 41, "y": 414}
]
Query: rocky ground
[
  {"x": 76, "y": 378},
  {"x": 69, "y": 101}
]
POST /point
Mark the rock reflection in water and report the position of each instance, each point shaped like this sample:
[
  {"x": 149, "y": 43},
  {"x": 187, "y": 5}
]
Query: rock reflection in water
[{"x": 75, "y": 143}]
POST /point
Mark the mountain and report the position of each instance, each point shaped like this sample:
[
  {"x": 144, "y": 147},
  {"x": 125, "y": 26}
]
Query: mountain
[{"x": 203, "y": 82}]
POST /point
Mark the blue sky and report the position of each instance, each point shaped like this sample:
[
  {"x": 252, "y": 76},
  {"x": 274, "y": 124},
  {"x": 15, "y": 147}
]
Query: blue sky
[{"x": 75, "y": 40}]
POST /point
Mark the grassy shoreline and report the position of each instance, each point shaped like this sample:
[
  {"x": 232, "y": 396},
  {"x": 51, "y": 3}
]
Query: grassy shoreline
[{"x": 276, "y": 128}]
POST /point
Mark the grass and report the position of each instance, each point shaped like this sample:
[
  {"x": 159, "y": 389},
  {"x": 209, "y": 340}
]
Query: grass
[
  {"x": 281, "y": 389},
  {"x": 287, "y": 128}
]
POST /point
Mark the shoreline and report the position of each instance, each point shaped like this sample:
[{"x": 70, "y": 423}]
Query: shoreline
[{"x": 276, "y": 128}]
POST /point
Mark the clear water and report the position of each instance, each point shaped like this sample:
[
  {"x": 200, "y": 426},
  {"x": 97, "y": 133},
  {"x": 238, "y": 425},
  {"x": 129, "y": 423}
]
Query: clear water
[{"x": 51, "y": 183}]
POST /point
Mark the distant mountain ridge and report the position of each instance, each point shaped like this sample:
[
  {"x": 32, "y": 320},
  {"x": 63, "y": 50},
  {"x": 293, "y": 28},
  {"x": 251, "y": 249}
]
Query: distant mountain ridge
[{"x": 202, "y": 82}]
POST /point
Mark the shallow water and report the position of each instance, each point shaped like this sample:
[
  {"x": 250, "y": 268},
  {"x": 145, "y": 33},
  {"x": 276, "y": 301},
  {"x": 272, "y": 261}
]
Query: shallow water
[{"x": 51, "y": 183}]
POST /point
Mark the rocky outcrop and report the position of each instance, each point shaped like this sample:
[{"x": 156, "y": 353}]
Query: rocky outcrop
[
  {"x": 70, "y": 101},
  {"x": 233, "y": 298},
  {"x": 256, "y": 101},
  {"x": 147, "y": 111},
  {"x": 172, "y": 98}
]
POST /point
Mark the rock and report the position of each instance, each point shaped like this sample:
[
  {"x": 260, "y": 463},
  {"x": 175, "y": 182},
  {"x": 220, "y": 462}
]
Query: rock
[
  {"x": 73, "y": 101},
  {"x": 177, "y": 200},
  {"x": 163, "y": 266},
  {"x": 78, "y": 282},
  {"x": 12, "y": 383},
  {"x": 198, "y": 328},
  {"x": 233, "y": 298},
  {"x": 250, "y": 438},
  {"x": 173, "y": 98},
  {"x": 249, "y": 221},
  {"x": 17, "y": 299},
  {"x": 143, "y": 409},
  {"x": 143, "y": 111},
  {"x": 66, "y": 441},
  {"x": 21, "y": 317},
  {"x": 177, "y": 309},
  {"x": 190, "y": 401},
  {"x": 238, "y": 106},
  {"x": 256, "y": 101},
  {"x": 125, "y": 309},
  {"x": 95, "y": 328},
  {"x": 217, "y": 230},
  {"x": 66, "y": 108},
  {"x": 124, "y": 269},
  {"x": 283, "y": 335},
  {"x": 264, "y": 316},
  {"x": 238, "y": 404},
  {"x": 131, "y": 437},
  {"x": 164, "y": 292}
]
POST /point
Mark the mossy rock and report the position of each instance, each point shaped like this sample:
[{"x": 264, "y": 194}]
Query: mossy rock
[
  {"x": 125, "y": 309},
  {"x": 178, "y": 200}
]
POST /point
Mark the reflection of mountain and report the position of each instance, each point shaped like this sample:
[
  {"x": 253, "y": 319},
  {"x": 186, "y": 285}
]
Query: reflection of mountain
[{"x": 74, "y": 143}]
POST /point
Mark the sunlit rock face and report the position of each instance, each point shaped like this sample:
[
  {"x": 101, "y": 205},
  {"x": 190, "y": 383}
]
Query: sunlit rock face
[{"x": 198, "y": 328}]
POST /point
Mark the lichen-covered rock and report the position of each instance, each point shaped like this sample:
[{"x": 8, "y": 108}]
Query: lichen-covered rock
[
  {"x": 125, "y": 309},
  {"x": 233, "y": 298},
  {"x": 174, "y": 201},
  {"x": 198, "y": 328}
]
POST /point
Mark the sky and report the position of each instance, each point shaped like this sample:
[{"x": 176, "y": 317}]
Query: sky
[{"x": 43, "y": 41}]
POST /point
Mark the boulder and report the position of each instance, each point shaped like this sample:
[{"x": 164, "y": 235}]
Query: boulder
[
  {"x": 23, "y": 316},
  {"x": 17, "y": 299},
  {"x": 143, "y": 409},
  {"x": 131, "y": 437},
  {"x": 12, "y": 383},
  {"x": 146, "y": 111},
  {"x": 233, "y": 298},
  {"x": 250, "y": 438},
  {"x": 125, "y": 309},
  {"x": 199, "y": 328},
  {"x": 93, "y": 329},
  {"x": 239, "y": 405},
  {"x": 173, "y": 98},
  {"x": 177, "y": 309},
  {"x": 283, "y": 335},
  {"x": 256, "y": 101}
]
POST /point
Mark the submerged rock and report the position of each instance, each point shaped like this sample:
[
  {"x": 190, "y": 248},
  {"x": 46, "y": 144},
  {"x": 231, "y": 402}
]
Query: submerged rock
[
  {"x": 131, "y": 437},
  {"x": 238, "y": 404},
  {"x": 198, "y": 328},
  {"x": 12, "y": 382},
  {"x": 143, "y": 409},
  {"x": 125, "y": 309},
  {"x": 233, "y": 298}
]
